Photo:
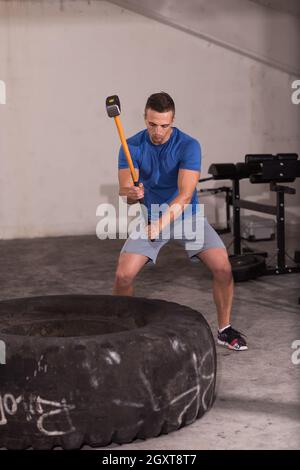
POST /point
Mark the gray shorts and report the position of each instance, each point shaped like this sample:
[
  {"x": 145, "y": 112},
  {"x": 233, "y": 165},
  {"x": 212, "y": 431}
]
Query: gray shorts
[{"x": 198, "y": 235}]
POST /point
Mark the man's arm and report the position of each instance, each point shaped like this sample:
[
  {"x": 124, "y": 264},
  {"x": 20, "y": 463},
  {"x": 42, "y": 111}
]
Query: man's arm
[
  {"x": 187, "y": 182},
  {"x": 126, "y": 187}
]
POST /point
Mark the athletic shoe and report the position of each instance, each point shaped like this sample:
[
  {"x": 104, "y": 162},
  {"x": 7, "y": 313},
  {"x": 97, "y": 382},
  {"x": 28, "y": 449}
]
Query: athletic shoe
[{"x": 232, "y": 339}]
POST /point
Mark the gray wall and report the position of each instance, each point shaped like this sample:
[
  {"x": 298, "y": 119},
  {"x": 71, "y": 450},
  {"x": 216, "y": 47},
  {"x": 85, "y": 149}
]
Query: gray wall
[{"x": 58, "y": 149}]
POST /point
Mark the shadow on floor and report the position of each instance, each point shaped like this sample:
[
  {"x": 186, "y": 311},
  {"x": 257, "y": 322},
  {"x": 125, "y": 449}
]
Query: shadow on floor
[{"x": 278, "y": 409}]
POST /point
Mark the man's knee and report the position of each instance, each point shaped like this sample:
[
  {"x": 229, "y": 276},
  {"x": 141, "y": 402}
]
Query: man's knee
[
  {"x": 222, "y": 270},
  {"x": 124, "y": 277}
]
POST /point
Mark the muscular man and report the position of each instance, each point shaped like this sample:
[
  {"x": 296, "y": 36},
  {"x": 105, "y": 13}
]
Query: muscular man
[{"x": 167, "y": 162}]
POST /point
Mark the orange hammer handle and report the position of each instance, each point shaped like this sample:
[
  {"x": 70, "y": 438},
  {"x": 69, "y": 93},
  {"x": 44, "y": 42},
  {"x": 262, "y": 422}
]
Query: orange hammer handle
[{"x": 125, "y": 148}]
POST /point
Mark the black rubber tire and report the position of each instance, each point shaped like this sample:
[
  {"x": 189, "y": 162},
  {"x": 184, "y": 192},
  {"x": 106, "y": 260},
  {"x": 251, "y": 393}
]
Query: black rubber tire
[
  {"x": 246, "y": 267},
  {"x": 100, "y": 369}
]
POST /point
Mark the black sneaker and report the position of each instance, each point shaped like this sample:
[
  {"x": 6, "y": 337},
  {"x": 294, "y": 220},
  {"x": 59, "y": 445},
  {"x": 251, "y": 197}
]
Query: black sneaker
[{"x": 232, "y": 339}]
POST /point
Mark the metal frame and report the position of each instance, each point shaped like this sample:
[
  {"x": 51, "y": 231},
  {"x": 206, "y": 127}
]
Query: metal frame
[{"x": 278, "y": 211}]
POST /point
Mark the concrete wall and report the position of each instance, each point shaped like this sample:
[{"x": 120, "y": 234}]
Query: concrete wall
[
  {"x": 265, "y": 34},
  {"x": 58, "y": 149}
]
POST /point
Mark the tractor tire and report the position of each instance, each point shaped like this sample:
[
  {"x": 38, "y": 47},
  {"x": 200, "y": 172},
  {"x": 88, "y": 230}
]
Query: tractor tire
[{"x": 97, "y": 369}]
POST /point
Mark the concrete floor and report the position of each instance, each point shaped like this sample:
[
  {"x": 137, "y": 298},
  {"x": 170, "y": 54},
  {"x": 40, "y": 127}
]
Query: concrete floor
[{"x": 258, "y": 391}]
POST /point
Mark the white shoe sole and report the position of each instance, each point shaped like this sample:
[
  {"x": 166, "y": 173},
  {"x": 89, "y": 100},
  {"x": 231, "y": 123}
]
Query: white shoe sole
[{"x": 232, "y": 348}]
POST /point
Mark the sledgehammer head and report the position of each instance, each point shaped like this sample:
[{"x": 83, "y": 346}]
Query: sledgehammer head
[{"x": 113, "y": 106}]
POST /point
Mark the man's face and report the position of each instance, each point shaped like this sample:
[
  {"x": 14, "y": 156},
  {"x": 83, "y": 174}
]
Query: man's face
[{"x": 159, "y": 125}]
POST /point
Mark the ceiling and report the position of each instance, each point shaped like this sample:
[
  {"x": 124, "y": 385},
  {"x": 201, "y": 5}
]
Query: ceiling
[{"x": 288, "y": 6}]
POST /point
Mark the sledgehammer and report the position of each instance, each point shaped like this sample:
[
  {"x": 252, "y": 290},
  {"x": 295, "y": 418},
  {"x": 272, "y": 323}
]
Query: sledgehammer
[{"x": 113, "y": 108}]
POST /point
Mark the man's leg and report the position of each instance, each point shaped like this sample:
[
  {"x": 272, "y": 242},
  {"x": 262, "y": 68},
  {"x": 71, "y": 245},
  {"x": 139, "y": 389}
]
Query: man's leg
[
  {"x": 216, "y": 259},
  {"x": 128, "y": 267}
]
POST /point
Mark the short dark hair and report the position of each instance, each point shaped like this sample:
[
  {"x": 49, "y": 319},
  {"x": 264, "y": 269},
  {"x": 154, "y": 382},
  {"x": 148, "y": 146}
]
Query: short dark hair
[{"x": 160, "y": 102}]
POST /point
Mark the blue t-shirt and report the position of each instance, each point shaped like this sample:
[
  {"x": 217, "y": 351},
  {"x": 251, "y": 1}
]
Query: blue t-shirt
[{"x": 159, "y": 165}]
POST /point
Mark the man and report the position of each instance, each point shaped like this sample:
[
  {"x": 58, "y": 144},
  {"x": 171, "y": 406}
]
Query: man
[{"x": 167, "y": 162}]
